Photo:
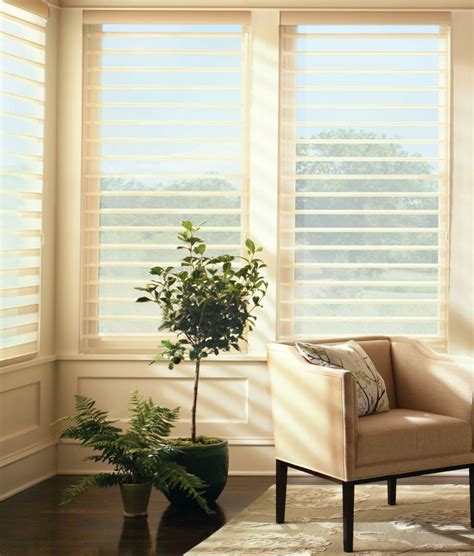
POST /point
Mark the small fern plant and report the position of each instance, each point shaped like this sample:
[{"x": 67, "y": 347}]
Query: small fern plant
[{"x": 141, "y": 454}]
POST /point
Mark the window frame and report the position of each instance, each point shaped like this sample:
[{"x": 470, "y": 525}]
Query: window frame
[
  {"x": 90, "y": 340},
  {"x": 264, "y": 109},
  {"x": 291, "y": 20}
]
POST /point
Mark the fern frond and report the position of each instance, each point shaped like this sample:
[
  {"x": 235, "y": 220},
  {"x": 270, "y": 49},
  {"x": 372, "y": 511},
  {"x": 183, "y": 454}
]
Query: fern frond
[
  {"x": 98, "y": 480},
  {"x": 91, "y": 426},
  {"x": 150, "y": 422},
  {"x": 173, "y": 475}
]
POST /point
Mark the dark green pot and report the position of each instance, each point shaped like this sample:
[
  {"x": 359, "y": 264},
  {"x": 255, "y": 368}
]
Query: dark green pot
[
  {"x": 135, "y": 498},
  {"x": 209, "y": 462}
]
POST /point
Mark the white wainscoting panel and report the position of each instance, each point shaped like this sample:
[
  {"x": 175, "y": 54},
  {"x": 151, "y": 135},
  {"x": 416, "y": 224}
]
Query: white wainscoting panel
[
  {"x": 114, "y": 392},
  {"x": 233, "y": 403},
  {"x": 27, "y": 436},
  {"x": 20, "y": 410}
]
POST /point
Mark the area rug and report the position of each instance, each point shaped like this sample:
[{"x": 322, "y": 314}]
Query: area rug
[{"x": 427, "y": 519}]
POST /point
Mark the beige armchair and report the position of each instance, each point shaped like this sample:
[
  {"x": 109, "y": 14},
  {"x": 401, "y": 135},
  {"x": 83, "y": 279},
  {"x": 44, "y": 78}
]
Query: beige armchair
[{"x": 429, "y": 428}]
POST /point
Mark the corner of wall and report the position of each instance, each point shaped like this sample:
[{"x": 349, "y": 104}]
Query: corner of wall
[
  {"x": 461, "y": 293},
  {"x": 28, "y": 390}
]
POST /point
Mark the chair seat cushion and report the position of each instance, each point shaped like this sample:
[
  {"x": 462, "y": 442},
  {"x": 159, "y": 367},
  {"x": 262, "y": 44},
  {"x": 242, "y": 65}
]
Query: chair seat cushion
[{"x": 405, "y": 434}]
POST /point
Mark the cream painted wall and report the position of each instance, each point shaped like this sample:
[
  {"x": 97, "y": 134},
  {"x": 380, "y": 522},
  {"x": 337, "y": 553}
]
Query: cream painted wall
[
  {"x": 461, "y": 295},
  {"x": 27, "y": 390},
  {"x": 235, "y": 397},
  {"x": 68, "y": 195}
]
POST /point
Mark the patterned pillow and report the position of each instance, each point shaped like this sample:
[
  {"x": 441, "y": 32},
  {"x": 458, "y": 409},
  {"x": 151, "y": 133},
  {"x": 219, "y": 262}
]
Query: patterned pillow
[{"x": 370, "y": 386}]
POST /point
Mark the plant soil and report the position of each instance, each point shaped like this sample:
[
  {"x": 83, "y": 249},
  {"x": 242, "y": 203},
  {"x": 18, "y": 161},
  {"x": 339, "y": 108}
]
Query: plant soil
[{"x": 200, "y": 441}]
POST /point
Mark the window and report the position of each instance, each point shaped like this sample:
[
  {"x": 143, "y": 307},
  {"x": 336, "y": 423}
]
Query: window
[
  {"x": 364, "y": 175},
  {"x": 22, "y": 93},
  {"x": 165, "y": 139}
]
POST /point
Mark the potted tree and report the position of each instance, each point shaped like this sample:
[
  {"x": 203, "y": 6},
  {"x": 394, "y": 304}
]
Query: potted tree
[
  {"x": 207, "y": 304},
  {"x": 139, "y": 456}
]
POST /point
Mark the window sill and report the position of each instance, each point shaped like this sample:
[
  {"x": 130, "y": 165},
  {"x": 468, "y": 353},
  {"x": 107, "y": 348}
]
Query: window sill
[
  {"x": 244, "y": 358},
  {"x": 31, "y": 362}
]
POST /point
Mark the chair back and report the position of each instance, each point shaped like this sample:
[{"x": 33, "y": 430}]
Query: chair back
[{"x": 378, "y": 348}]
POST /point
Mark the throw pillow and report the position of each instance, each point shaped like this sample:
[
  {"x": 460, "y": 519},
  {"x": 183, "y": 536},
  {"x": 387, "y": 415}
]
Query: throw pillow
[{"x": 370, "y": 386}]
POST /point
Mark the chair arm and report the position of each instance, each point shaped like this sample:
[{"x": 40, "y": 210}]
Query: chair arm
[
  {"x": 429, "y": 381},
  {"x": 314, "y": 413}
]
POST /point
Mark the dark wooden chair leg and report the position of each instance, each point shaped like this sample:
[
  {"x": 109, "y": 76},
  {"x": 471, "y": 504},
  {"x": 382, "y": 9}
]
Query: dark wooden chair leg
[
  {"x": 392, "y": 491},
  {"x": 471, "y": 493},
  {"x": 348, "y": 516},
  {"x": 281, "y": 480}
]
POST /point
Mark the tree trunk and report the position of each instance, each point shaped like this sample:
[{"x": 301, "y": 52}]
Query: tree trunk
[{"x": 193, "y": 411}]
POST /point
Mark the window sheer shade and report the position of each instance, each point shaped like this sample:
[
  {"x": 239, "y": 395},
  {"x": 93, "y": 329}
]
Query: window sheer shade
[
  {"x": 22, "y": 91},
  {"x": 165, "y": 139},
  {"x": 364, "y": 175},
  {"x": 35, "y": 7}
]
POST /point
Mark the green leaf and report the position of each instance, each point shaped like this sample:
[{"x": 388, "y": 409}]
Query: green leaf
[
  {"x": 187, "y": 225},
  {"x": 143, "y": 300},
  {"x": 250, "y": 245},
  {"x": 199, "y": 249}
]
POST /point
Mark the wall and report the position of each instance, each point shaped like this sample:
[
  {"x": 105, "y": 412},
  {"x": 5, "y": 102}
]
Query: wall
[
  {"x": 461, "y": 296},
  {"x": 235, "y": 398},
  {"x": 27, "y": 390}
]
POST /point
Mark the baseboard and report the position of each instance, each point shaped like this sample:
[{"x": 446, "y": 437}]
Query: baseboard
[
  {"x": 27, "y": 452},
  {"x": 76, "y": 472},
  {"x": 458, "y": 473},
  {"x": 27, "y": 468},
  {"x": 66, "y": 471},
  {"x": 245, "y": 459},
  {"x": 26, "y": 486}
]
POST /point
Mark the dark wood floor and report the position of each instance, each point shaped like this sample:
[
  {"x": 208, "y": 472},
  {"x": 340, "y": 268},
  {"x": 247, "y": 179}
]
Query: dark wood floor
[{"x": 32, "y": 524}]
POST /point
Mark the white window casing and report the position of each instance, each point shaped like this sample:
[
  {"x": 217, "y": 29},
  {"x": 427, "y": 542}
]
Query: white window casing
[
  {"x": 165, "y": 139},
  {"x": 364, "y": 174}
]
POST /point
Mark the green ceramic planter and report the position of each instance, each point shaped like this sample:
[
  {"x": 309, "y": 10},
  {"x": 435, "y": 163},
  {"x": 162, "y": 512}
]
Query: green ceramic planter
[
  {"x": 135, "y": 498},
  {"x": 209, "y": 462}
]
